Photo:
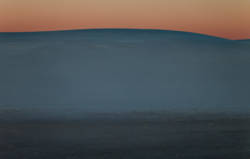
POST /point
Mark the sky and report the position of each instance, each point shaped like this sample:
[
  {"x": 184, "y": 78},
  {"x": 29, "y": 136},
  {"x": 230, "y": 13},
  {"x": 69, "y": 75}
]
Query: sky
[{"x": 223, "y": 18}]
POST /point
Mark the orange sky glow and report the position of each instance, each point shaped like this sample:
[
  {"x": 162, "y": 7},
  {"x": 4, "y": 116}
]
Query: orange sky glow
[{"x": 223, "y": 18}]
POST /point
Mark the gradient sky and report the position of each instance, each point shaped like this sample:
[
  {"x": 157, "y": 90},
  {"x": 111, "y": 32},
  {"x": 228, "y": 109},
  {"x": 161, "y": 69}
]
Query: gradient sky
[{"x": 224, "y": 18}]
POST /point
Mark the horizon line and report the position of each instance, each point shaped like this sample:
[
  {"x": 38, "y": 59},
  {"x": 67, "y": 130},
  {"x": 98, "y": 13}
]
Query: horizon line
[{"x": 152, "y": 29}]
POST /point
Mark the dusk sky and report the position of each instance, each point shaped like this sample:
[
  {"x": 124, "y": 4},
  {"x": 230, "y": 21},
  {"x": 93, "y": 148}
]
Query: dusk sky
[{"x": 223, "y": 18}]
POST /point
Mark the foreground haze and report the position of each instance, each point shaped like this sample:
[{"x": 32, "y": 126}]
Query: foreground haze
[{"x": 120, "y": 93}]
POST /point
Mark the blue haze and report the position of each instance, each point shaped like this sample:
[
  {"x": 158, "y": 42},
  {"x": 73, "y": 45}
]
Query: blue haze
[{"x": 124, "y": 70}]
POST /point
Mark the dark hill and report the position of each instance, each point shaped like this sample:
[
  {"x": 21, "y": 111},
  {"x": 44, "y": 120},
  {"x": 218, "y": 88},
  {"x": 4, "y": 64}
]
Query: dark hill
[{"x": 122, "y": 69}]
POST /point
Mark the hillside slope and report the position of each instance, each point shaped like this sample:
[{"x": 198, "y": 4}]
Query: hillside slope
[{"x": 119, "y": 69}]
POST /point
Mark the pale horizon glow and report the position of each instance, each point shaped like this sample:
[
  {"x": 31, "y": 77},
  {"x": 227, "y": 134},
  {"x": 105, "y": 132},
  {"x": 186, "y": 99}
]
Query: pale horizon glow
[{"x": 224, "y": 18}]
